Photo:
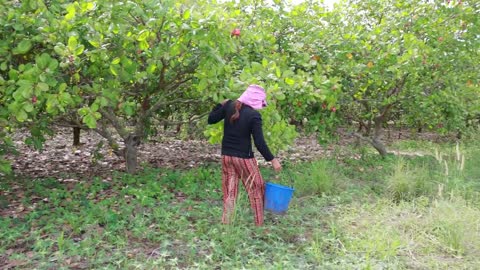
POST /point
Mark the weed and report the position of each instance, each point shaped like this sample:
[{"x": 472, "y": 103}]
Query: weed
[
  {"x": 316, "y": 178},
  {"x": 406, "y": 183}
]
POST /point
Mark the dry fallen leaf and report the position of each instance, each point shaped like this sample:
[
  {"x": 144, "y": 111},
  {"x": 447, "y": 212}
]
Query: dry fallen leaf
[{"x": 20, "y": 208}]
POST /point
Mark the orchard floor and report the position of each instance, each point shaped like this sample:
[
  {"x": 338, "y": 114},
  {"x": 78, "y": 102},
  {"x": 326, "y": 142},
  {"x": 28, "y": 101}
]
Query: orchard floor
[
  {"x": 65, "y": 162},
  {"x": 419, "y": 209}
]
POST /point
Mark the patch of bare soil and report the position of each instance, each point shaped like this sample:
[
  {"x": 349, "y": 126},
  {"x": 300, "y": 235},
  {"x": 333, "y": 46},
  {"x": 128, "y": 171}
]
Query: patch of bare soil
[
  {"x": 65, "y": 162},
  {"x": 61, "y": 160}
]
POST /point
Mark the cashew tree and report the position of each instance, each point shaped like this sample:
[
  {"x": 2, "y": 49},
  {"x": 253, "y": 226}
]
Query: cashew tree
[
  {"x": 274, "y": 51},
  {"x": 143, "y": 59},
  {"x": 408, "y": 58},
  {"x": 33, "y": 87},
  {"x": 121, "y": 68}
]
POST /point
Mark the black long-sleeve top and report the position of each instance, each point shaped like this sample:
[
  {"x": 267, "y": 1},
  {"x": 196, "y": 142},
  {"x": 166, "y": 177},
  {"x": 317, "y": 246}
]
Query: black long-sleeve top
[{"x": 237, "y": 136}]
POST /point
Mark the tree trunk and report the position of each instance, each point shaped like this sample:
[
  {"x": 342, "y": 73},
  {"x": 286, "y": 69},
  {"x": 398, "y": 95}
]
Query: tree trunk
[
  {"x": 368, "y": 128},
  {"x": 379, "y": 146},
  {"x": 76, "y": 136},
  {"x": 377, "y": 136},
  {"x": 131, "y": 144}
]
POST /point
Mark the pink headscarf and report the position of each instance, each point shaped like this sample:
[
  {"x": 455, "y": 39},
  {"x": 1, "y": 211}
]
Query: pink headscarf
[{"x": 254, "y": 97}]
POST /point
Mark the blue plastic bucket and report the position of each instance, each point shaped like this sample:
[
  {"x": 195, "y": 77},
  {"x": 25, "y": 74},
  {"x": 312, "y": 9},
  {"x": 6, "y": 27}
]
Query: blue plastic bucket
[{"x": 277, "y": 197}]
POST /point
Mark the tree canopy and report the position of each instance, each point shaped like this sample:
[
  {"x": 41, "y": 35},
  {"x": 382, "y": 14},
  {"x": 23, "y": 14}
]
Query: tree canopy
[{"x": 123, "y": 68}]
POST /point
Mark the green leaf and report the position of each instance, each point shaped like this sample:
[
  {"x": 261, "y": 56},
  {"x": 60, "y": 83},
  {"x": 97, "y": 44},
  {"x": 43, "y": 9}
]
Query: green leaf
[
  {"x": 72, "y": 43},
  {"x": 264, "y": 62},
  {"x": 21, "y": 115},
  {"x": 186, "y": 14},
  {"x": 280, "y": 96},
  {"x": 52, "y": 103},
  {"x": 5, "y": 166},
  {"x": 43, "y": 86},
  {"x": 52, "y": 66},
  {"x": 202, "y": 85},
  {"x": 143, "y": 35},
  {"x": 65, "y": 98},
  {"x": 3, "y": 66},
  {"x": 256, "y": 66},
  {"x": 17, "y": 95},
  {"x": 94, "y": 107},
  {"x": 23, "y": 47},
  {"x": 116, "y": 61},
  {"x": 278, "y": 72},
  {"x": 90, "y": 121},
  {"x": 26, "y": 90},
  {"x": 113, "y": 71},
  {"x": 70, "y": 12},
  {"x": 151, "y": 69},
  {"x": 83, "y": 111},
  {"x": 103, "y": 101},
  {"x": 42, "y": 77},
  {"x": 59, "y": 49},
  {"x": 245, "y": 76},
  {"x": 62, "y": 87},
  {"x": 43, "y": 61},
  {"x": 94, "y": 43},
  {"x": 79, "y": 50},
  {"x": 87, "y": 6},
  {"x": 14, "y": 106},
  {"x": 13, "y": 74},
  {"x": 289, "y": 81},
  {"x": 129, "y": 110},
  {"x": 144, "y": 45},
  {"x": 28, "y": 107}
]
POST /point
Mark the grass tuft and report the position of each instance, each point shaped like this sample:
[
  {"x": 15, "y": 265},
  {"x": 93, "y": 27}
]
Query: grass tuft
[
  {"x": 316, "y": 178},
  {"x": 407, "y": 183}
]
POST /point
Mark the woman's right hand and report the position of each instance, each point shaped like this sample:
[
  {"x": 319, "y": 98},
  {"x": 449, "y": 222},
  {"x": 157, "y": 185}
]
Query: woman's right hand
[{"x": 276, "y": 165}]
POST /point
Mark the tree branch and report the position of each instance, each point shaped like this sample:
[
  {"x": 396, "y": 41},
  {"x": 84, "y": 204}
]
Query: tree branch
[
  {"x": 398, "y": 86},
  {"x": 71, "y": 125},
  {"x": 176, "y": 87},
  {"x": 363, "y": 138},
  {"x": 162, "y": 103},
  {"x": 139, "y": 21},
  {"x": 392, "y": 92},
  {"x": 103, "y": 131},
  {"x": 116, "y": 123},
  {"x": 162, "y": 73},
  {"x": 159, "y": 33},
  {"x": 181, "y": 71}
]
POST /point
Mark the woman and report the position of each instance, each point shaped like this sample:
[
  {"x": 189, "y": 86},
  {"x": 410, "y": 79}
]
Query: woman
[{"x": 241, "y": 123}]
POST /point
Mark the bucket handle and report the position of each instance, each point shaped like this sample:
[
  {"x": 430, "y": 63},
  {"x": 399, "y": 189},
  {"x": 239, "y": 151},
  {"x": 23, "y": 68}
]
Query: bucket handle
[{"x": 289, "y": 173}]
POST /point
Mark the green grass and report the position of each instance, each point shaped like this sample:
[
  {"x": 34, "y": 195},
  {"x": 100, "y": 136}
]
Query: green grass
[
  {"x": 407, "y": 183},
  {"x": 357, "y": 211}
]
